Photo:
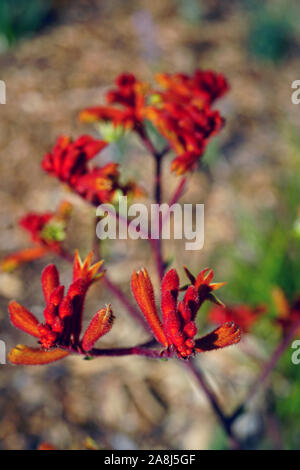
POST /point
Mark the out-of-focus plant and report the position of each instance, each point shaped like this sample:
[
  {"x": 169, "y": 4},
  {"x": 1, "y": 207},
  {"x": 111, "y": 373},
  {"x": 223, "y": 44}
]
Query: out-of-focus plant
[
  {"x": 191, "y": 10},
  {"x": 271, "y": 31},
  {"x": 264, "y": 268},
  {"x": 22, "y": 18}
]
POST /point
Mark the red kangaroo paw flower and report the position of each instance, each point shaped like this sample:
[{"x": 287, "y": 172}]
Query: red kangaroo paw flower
[
  {"x": 11, "y": 262},
  {"x": 23, "y": 319},
  {"x": 205, "y": 86},
  {"x": 242, "y": 315},
  {"x": 85, "y": 270},
  {"x": 78, "y": 288},
  {"x": 191, "y": 300},
  {"x": 50, "y": 314},
  {"x": 185, "y": 162},
  {"x": 48, "y": 229},
  {"x": 69, "y": 162},
  {"x": 171, "y": 318},
  {"x": 23, "y": 355},
  {"x": 183, "y": 115},
  {"x": 57, "y": 295},
  {"x": 99, "y": 326},
  {"x": 142, "y": 289},
  {"x": 62, "y": 314},
  {"x": 130, "y": 94},
  {"x": 65, "y": 308},
  {"x": 178, "y": 317},
  {"x": 204, "y": 287},
  {"x": 50, "y": 280},
  {"x": 224, "y": 336},
  {"x": 190, "y": 329}
]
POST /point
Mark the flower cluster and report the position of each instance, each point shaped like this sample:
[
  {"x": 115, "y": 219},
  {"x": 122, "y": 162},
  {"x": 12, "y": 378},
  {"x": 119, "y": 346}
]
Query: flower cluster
[
  {"x": 183, "y": 114},
  {"x": 68, "y": 161},
  {"x": 177, "y": 330},
  {"x": 60, "y": 332},
  {"x": 47, "y": 232},
  {"x": 181, "y": 111}
]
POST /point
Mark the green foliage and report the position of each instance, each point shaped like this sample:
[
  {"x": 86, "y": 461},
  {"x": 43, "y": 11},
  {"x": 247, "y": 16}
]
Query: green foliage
[
  {"x": 156, "y": 138},
  {"x": 191, "y": 10},
  {"x": 212, "y": 153},
  {"x": 270, "y": 36},
  {"x": 20, "y": 18}
]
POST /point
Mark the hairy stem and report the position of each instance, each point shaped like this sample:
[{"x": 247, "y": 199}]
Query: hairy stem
[{"x": 139, "y": 350}]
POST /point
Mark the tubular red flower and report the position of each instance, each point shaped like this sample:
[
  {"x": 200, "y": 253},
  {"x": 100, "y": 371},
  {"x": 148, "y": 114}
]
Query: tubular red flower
[
  {"x": 203, "y": 285},
  {"x": 24, "y": 355},
  {"x": 23, "y": 319},
  {"x": 142, "y": 289},
  {"x": 221, "y": 337},
  {"x": 50, "y": 280},
  {"x": 99, "y": 326}
]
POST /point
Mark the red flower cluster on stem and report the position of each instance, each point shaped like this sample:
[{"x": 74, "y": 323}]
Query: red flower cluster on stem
[
  {"x": 60, "y": 332},
  {"x": 68, "y": 161},
  {"x": 182, "y": 112},
  {"x": 177, "y": 330}
]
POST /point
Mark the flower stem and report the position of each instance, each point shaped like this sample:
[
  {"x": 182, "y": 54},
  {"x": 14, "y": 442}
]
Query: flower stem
[
  {"x": 178, "y": 191},
  {"x": 225, "y": 421},
  {"x": 140, "y": 350},
  {"x": 114, "y": 289}
]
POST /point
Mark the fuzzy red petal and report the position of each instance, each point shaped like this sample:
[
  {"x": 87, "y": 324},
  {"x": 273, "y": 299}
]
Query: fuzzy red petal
[
  {"x": 34, "y": 356},
  {"x": 23, "y": 319},
  {"x": 100, "y": 324},
  {"x": 225, "y": 335}
]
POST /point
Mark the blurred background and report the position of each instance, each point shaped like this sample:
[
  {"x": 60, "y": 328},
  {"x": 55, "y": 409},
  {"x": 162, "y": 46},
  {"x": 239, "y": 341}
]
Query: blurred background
[{"x": 57, "y": 57}]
